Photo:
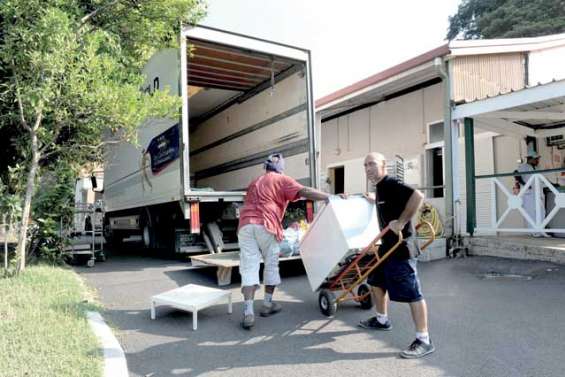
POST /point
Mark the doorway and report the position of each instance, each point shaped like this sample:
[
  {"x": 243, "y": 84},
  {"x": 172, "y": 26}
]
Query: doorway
[
  {"x": 337, "y": 180},
  {"x": 435, "y": 166}
]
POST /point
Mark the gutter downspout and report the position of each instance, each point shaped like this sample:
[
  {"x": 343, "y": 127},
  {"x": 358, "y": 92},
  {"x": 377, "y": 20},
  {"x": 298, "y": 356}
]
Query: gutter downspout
[{"x": 450, "y": 137}]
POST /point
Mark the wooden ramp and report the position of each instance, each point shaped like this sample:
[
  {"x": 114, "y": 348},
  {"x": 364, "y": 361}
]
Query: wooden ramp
[{"x": 225, "y": 262}]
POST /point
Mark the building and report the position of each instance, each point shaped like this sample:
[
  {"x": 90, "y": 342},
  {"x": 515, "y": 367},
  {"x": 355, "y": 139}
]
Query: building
[{"x": 412, "y": 109}]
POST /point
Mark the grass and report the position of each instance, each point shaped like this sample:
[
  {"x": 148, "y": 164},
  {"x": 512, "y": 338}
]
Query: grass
[{"x": 43, "y": 327}]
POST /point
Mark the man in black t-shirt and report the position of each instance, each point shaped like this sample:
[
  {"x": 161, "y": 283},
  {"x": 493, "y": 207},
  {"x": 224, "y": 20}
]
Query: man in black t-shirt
[{"x": 397, "y": 279}]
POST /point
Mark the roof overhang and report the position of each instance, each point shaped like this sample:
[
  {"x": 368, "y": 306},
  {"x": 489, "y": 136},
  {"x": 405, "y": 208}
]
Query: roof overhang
[
  {"x": 535, "y": 111},
  {"x": 381, "y": 90},
  {"x": 410, "y": 68},
  {"x": 507, "y": 45}
]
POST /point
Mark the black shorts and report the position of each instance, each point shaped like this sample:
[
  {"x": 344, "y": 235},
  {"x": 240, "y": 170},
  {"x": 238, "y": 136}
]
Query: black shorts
[{"x": 399, "y": 277}]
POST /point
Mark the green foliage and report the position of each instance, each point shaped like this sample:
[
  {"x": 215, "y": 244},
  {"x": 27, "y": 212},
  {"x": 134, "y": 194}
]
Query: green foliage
[
  {"x": 53, "y": 205},
  {"x": 47, "y": 244},
  {"x": 70, "y": 76},
  {"x": 507, "y": 19},
  {"x": 10, "y": 204},
  {"x": 293, "y": 214}
]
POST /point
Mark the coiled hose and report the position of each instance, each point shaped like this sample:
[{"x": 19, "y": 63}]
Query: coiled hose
[{"x": 430, "y": 214}]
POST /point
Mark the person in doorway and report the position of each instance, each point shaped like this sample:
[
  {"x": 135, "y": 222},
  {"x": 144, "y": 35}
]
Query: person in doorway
[
  {"x": 260, "y": 232},
  {"x": 529, "y": 200},
  {"x": 396, "y": 279}
]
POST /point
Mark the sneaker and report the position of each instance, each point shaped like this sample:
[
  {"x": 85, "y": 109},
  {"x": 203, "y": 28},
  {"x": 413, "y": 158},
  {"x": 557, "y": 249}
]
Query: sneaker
[
  {"x": 248, "y": 321},
  {"x": 267, "y": 311},
  {"x": 374, "y": 324},
  {"x": 417, "y": 349}
]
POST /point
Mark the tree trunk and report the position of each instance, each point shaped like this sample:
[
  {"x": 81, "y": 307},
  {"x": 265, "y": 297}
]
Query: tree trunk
[{"x": 21, "y": 249}]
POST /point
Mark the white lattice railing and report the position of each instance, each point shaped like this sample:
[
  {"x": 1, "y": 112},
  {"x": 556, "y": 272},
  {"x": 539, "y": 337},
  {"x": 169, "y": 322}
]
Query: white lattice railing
[{"x": 515, "y": 203}]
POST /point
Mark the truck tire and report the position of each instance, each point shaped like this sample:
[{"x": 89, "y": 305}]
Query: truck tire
[
  {"x": 148, "y": 233},
  {"x": 112, "y": 239},
  {"x": 148, "y": 236}
]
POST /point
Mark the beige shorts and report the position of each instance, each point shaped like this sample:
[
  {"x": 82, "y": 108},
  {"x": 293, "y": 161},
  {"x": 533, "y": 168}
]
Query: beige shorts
[{"x": 256, "y": 243}]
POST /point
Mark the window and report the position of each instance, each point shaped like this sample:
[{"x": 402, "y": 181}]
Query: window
[
  {"x": 434, "y": 160},
  {"x": 435, "y": 132}
]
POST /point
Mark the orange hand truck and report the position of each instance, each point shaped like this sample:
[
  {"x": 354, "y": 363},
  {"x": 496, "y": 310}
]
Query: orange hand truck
[{"x": 354, "y": 271}]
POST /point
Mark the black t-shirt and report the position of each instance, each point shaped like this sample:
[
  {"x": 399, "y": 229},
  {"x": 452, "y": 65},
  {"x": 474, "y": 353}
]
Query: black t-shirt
[{"x": 391, "y": 198}]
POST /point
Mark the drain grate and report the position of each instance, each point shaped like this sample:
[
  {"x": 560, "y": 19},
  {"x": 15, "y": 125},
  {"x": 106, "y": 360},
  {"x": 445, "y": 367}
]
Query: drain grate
[{"x": 503, "y": 276}]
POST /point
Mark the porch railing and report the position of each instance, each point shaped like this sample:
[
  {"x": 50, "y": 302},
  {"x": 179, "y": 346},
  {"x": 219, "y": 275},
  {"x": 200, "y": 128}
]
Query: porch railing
[{"x": 514, "y": 202}]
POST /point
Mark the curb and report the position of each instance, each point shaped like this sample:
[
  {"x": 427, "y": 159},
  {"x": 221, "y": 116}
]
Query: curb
[{"x": 115, "y": 364}]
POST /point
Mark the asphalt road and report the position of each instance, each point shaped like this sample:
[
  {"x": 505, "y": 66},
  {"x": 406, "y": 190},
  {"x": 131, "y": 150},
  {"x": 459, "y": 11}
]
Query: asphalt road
[{"x": 488, "y": 317}]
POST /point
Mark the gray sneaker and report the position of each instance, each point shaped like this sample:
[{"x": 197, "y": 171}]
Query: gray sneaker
[
  {"x": 248, "y": 321},
  {"x": 267, "y": 311},
  {"x": 417, "y": 349},
  {"x": 374, "y": 324}
]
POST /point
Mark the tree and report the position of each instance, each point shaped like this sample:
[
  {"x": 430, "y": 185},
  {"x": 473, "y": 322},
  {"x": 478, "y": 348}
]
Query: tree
[
  {"x": 70, "y": 72},
  {"x": 507, "y": 19}
]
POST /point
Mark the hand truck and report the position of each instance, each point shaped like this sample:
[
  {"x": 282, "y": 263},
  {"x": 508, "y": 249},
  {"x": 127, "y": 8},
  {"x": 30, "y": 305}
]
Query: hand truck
[{"x": 354, "y": 271}]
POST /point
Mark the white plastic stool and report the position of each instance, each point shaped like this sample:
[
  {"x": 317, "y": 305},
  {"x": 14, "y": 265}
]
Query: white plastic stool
[{"x": 192, "y": 298}]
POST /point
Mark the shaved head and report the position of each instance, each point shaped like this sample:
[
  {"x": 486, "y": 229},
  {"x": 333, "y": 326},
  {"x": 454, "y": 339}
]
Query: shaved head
[
  {"x": 376, "y": 156},
  {"x": 375, "y": 166}
]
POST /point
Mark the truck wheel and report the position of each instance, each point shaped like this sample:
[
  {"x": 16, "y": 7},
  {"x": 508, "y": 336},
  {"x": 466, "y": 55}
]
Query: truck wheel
[
  {"x": 148, "y": 231},
  {"x": 112, "y": 239},
  {"x": 327, "y": 303},
  {"x": 148, "y": 236},
  {"x": 367, "y": 302}
]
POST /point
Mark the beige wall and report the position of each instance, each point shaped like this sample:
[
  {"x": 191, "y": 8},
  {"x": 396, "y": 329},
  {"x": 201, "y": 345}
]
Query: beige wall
[{"x": 397, "y": 126}]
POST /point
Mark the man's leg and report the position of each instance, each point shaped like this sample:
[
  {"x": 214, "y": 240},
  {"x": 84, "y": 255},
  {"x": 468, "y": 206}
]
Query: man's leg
[
  {"x": 249, "y": 261},
  {"x": 408, "y": 289},
  {"x": 380, "y": 298},
  {"x": 271, "y": 277},
  {"x": 419, "y": 311},
  {"x": 529, "y": 204}
]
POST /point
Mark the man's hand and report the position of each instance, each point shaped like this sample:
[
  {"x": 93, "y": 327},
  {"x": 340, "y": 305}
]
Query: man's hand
[
  {"x": 342, "y": 196},
  {"x": 396, "y": 226},
  {"x": 370, "y": 197}
]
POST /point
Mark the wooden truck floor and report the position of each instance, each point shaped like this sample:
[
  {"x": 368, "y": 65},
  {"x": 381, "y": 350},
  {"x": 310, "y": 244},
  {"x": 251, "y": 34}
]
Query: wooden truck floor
[{"x": 225, "y": 262}]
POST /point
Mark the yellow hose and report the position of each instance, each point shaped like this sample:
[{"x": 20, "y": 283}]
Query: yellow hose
[{"x": 430, "y": 214}]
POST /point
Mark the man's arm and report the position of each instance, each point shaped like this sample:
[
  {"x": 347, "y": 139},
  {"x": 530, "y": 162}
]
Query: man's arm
[
  {"x": 313, "y": 194},
  {"x": 412, "y": 206}
]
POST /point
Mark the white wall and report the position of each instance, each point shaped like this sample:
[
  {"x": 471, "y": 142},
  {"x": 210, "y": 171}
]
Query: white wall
[
  {"x": 288, "y": 94},
  {"x": 546, "y": 65}
]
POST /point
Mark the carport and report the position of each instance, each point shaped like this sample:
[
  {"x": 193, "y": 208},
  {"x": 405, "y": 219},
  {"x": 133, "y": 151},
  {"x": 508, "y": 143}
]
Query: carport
[{"x": 536, "y": 112}]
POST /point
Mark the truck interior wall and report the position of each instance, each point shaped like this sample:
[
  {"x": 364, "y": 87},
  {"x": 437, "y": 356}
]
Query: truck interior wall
[{"x": 231, "y": 146}]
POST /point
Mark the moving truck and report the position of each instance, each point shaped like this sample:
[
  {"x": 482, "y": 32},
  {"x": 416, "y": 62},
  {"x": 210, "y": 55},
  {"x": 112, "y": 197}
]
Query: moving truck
[{"x": 180, "y": 186}]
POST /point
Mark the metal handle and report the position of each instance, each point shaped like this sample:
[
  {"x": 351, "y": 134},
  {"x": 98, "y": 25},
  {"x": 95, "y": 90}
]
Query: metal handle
[{"x": 432, "y": 231}]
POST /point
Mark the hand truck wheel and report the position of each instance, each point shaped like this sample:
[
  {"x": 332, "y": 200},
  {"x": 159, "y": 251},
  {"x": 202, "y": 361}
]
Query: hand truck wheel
[
  {"x": 327, "y": 302},
  {"x": 367, "y": 302}
]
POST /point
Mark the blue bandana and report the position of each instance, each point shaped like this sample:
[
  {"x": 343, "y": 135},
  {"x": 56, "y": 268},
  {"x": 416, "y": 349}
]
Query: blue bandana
[{"x": 275, "y": 162}]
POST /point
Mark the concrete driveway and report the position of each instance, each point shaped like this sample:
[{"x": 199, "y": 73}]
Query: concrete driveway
[{"x": 488, "y": 317}]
